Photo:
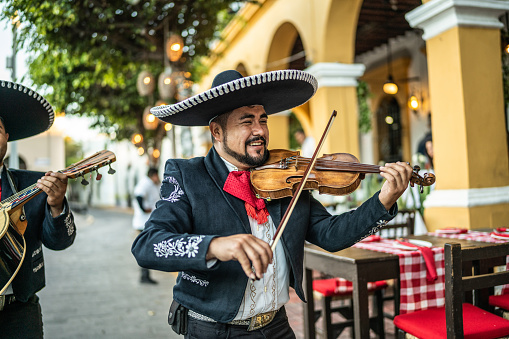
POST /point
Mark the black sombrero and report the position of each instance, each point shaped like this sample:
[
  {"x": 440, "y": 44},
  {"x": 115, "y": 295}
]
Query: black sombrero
[
  {"x": 276, "y": 91},
  {"x": 25, "y": 112}
]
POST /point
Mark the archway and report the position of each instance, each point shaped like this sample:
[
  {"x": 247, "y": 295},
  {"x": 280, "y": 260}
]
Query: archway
[
  {"x": 389, "y": 130},
  {"x": 285, "y": 43}
]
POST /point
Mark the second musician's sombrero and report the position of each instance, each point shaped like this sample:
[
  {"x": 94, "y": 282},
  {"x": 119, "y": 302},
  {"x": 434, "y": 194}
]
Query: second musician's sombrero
[
  {"x": 25, "y": 112},
  {"x": 277, "y": 91}
]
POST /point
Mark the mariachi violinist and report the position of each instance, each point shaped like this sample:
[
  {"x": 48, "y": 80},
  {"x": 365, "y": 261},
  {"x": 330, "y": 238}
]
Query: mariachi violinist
[{"x": 211, "y": 228}]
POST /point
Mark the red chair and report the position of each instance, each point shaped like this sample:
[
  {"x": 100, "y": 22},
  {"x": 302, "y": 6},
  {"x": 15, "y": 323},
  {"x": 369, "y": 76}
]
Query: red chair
[
  {"x": 458, "y": 319},
  {"x": 500, "y": 301},
  {"x": 328, "y": 290}
]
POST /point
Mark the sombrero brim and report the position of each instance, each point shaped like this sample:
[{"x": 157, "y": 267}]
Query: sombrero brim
[
  {"x": 25, "y": 112},
  {"x": 277, "y": 91}
]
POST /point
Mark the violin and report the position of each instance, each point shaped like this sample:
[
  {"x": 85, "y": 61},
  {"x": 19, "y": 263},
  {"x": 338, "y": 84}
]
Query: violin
[{"x": 334, "y": 174}]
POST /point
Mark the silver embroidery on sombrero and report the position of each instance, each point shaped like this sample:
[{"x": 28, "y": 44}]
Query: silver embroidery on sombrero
[
  {"x": 164, "y": 111},
  {"x": 179, "y": 248},
  {"x": 38, "y": 97}
]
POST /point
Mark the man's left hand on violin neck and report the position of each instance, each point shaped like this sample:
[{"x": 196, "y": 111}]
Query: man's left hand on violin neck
[{"x": 397, "y": 176}]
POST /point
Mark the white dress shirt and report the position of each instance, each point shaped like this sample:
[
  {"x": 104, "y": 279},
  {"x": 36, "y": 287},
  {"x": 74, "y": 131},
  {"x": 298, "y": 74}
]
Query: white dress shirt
[{"x": 272, "y": 291}]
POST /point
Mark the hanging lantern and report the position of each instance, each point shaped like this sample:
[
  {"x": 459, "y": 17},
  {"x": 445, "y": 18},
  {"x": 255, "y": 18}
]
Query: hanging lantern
[
  {"x": 166, "y": 85},
  {"x": 137, "y": 138},
  {"x": 150, "y": 122},
  {"x": 390, "y": 86},
  {"x": 174, "y": 47},
  {"x": 413, "y": 103},
  {"x": 145, "y": 83}
]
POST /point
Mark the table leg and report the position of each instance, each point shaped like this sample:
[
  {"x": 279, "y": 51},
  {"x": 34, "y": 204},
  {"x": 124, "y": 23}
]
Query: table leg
[
  {"x": 360, "y": 307},
  {"x": 309, "y": 307}
]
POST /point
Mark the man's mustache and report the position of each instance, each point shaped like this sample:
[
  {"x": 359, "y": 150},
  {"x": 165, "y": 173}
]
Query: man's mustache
[{"x": 262, "y": 139}]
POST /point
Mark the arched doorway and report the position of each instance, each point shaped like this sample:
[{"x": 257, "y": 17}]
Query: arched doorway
[{"x": 389, "y": 130}]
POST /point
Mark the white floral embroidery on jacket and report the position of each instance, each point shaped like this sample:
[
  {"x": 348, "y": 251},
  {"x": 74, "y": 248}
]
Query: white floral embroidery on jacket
[
  {"x": 379, "y": 225},
  {"x": 177, "y": 191},
  {"x": 195, "y": 280},
  {"x": 179, "y": 248}
]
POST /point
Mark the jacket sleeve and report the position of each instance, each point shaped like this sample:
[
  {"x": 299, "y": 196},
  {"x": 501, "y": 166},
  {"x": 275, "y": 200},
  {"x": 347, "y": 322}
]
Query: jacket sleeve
[
  {"x": 58, "y": 233},
  {"x": 167, "y": 243},
  {"x": 336, "y": 232}
]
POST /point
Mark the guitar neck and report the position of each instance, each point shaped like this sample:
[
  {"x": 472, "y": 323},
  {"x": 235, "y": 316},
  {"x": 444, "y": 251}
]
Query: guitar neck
[
  {"x": 79, "y": 169},
  {"x": 20, "y": 198}
]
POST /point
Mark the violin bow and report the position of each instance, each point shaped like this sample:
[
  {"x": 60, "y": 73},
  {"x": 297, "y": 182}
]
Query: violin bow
[{"x": 296, "y": 196}]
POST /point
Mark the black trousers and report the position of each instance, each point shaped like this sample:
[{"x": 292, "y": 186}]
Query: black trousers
[
  {"x": 22, "y": 320},
  {"x": 279, "y": 328}
]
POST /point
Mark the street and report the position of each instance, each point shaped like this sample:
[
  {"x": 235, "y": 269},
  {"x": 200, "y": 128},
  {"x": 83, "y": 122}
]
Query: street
[{"x": 93, "y": 289}]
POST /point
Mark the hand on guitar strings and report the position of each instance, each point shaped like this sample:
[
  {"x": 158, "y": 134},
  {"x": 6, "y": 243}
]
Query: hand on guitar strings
[{"x": 54, "y": 184}]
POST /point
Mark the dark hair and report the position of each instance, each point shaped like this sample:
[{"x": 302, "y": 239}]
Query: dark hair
[
  {"x": 221, "y": 120},
  {"x": 3, "y": 122},
  {"x": 152, "y": 171}
]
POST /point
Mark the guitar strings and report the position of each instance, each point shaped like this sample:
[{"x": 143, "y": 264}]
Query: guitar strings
[{"x": 33, "y": 190}]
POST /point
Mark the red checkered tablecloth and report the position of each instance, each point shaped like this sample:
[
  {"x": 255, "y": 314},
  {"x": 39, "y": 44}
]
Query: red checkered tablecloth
[
  {"x": 470, "y": 235},
  {"x": 416, "y": 292},
  {"x": 476, "y": 236}
]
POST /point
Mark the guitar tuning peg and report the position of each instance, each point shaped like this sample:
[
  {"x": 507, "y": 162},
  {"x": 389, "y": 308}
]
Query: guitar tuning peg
[
  {"x": 111, "y": 170},
  {"x": 84, "y": 181},
  {"x": 98, "y": 176}
]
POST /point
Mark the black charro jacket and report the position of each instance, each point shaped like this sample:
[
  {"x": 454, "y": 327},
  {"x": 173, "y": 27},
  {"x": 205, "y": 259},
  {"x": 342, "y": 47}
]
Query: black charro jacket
[
  {"x": 42, "y": 229},
  {"x": 194, "y": 209}
]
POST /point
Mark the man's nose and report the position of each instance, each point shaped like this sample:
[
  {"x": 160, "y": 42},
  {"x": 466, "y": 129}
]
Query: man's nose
[{"x": 258, "y": 129}]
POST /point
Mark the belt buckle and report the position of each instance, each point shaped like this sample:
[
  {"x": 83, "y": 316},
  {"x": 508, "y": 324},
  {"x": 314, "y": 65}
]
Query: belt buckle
[
  {"x": 261, "y": 320},
  {"x": 2, "y": 302}
]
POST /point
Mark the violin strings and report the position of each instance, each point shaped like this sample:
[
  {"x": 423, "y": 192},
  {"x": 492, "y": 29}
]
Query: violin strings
[{"x": 326, "y": 164}]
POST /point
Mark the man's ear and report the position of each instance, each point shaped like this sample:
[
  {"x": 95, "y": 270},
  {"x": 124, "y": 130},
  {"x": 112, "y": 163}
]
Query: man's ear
[
  {"x": 216, "y": 131},
  {"x": 7, "y": 136}
]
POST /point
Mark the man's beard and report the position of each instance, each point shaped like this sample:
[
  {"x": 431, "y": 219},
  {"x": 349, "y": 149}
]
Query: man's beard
[{"x": 246, "y": 158}]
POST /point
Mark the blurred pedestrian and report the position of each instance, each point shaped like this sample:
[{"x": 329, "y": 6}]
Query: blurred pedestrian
[
  {"x": 306, "y": 143},
  {"x": 146, "y": 193},
  {"x": 49, "y": 220}
]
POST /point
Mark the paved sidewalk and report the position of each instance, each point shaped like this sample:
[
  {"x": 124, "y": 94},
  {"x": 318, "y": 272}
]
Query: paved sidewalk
[{"x": 93, "y": 290}]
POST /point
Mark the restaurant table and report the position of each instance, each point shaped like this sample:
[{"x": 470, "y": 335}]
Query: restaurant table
[
  {"x": 360, "y": 266},
  {"x": 357, "y": 265}
]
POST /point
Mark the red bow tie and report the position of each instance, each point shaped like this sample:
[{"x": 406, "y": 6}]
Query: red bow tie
[{"x": 239, "y": 185}]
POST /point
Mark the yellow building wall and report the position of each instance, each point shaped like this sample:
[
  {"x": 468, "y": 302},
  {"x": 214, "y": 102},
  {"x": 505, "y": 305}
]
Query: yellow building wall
[
  {"x": 263, "y": 35},
  {"x": 467, "y": 105}
]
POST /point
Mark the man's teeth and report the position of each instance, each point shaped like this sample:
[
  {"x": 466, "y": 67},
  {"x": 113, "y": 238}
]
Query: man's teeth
[{"x": 258, "y": 143}]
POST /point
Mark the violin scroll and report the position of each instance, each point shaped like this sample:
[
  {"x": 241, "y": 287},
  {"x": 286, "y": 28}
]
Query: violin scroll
[{"x": 427, "y": 179}]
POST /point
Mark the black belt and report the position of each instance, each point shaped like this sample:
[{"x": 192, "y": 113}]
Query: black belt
[{"x": 6, "y": 300}]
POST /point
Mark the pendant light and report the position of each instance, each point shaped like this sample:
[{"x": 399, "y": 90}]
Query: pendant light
[{"x": 390, "y": 86}]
